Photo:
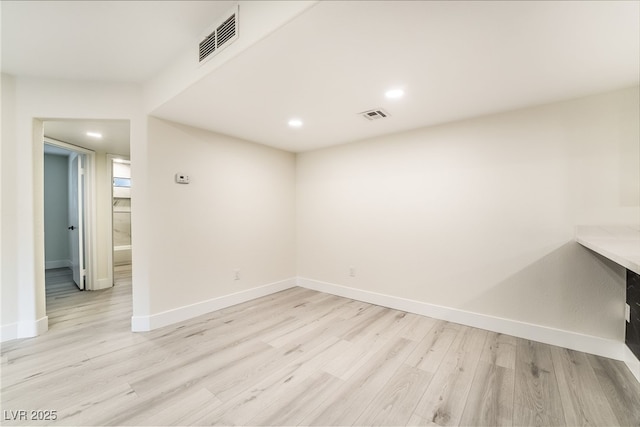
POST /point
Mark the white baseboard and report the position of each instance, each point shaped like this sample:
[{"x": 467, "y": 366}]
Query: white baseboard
[
  {"x": 165, "y": 318},
  {"x": 8, "y": 332},
  {"x": 61, "y": 263},
  {"x": 632, "y": 362},
  {"x": 567, "y": 339},
  {"x": 28, "y": 329},
  {"x": 102, "y": 284}
]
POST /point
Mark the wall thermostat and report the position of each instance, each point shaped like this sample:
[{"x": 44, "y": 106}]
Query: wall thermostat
[{"x": 182, "y": 178}]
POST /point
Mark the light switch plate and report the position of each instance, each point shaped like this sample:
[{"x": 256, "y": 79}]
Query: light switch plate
[{"x": 627, "y": 313}]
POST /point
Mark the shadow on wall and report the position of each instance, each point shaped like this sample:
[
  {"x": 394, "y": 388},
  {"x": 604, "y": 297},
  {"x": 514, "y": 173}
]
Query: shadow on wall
[{"x": 586, "y": 293}]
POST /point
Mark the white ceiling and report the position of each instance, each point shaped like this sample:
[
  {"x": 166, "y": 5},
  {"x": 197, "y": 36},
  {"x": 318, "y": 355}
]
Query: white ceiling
[
  {"x": 115, "y": 134},
  {"x": 455, "y": 60},
  {"x": 119, "y": 41}
]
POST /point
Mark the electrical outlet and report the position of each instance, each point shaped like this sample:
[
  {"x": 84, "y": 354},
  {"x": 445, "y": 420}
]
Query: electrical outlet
[
  {"x": 627, "y": 313},
  {"x": 352, "y": 271},
  {"x": 236, "y": 274}
]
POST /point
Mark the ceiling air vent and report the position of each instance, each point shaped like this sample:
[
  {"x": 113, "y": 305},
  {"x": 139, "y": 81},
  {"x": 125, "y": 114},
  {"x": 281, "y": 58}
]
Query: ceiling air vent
[
  {"x": 376, "y": 114},
  {"x": 222, "y": 36}
]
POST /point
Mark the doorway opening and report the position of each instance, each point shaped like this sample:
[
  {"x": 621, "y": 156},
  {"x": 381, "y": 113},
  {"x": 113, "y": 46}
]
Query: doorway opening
[
  {"x": 79, "y": 217},
  {"x": 121, "y": 216},
  {"x": 67, "y": 225}
]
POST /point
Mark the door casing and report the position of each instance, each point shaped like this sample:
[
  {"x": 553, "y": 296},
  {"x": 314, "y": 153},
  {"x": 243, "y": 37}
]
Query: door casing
[{"x": 75, "y": 201}]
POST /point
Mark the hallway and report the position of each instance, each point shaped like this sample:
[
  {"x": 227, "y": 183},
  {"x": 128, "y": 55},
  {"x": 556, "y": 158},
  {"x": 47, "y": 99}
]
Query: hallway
[{"x": 68, "y": 307}]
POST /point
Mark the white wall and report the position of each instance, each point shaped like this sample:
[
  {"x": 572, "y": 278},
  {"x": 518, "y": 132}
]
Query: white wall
[
  {"x": 121, "y": 170},
  {"x": 256, "y": 20},
  {"x": 238, "y": 212},
  {"x": 8, "y": 172},
  {"x": 215, "y": 229},
  {"x": 476, "y": 215},
  {"x": 25, "y": 103},
  {"x": 56, "y": 213},
  {"x": 480, "y": 215}
]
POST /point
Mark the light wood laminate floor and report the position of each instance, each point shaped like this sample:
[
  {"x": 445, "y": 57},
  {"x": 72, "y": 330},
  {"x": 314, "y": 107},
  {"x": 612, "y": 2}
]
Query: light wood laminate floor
[{"x": 298, "y": 357}]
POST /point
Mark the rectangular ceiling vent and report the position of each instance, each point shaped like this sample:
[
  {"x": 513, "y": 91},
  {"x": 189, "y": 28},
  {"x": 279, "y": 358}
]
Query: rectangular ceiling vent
[
  {"x": 376, "y": 114},
  {"x": 221, "y": 36}
]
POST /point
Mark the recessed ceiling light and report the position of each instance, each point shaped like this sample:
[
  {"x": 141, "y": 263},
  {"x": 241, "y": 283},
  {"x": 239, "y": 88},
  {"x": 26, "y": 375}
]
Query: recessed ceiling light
[
  {"x": 295, "y": 123},
  {"x": 394, "y": 93},
  {"x": 94, "y": 135}
]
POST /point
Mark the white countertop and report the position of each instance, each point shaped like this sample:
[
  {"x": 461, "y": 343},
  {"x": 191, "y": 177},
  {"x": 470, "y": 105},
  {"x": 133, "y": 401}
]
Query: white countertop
[{"x": 618, "y": 243}]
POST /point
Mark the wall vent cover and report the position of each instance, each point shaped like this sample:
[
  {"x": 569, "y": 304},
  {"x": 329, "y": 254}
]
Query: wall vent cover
[
  {"x": 222, "y": 35},
  {"x": 376, "y": 114}
]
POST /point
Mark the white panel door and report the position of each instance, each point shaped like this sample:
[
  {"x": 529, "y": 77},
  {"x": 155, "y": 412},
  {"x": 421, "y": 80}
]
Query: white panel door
[{"x": 76, "y": 218}]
